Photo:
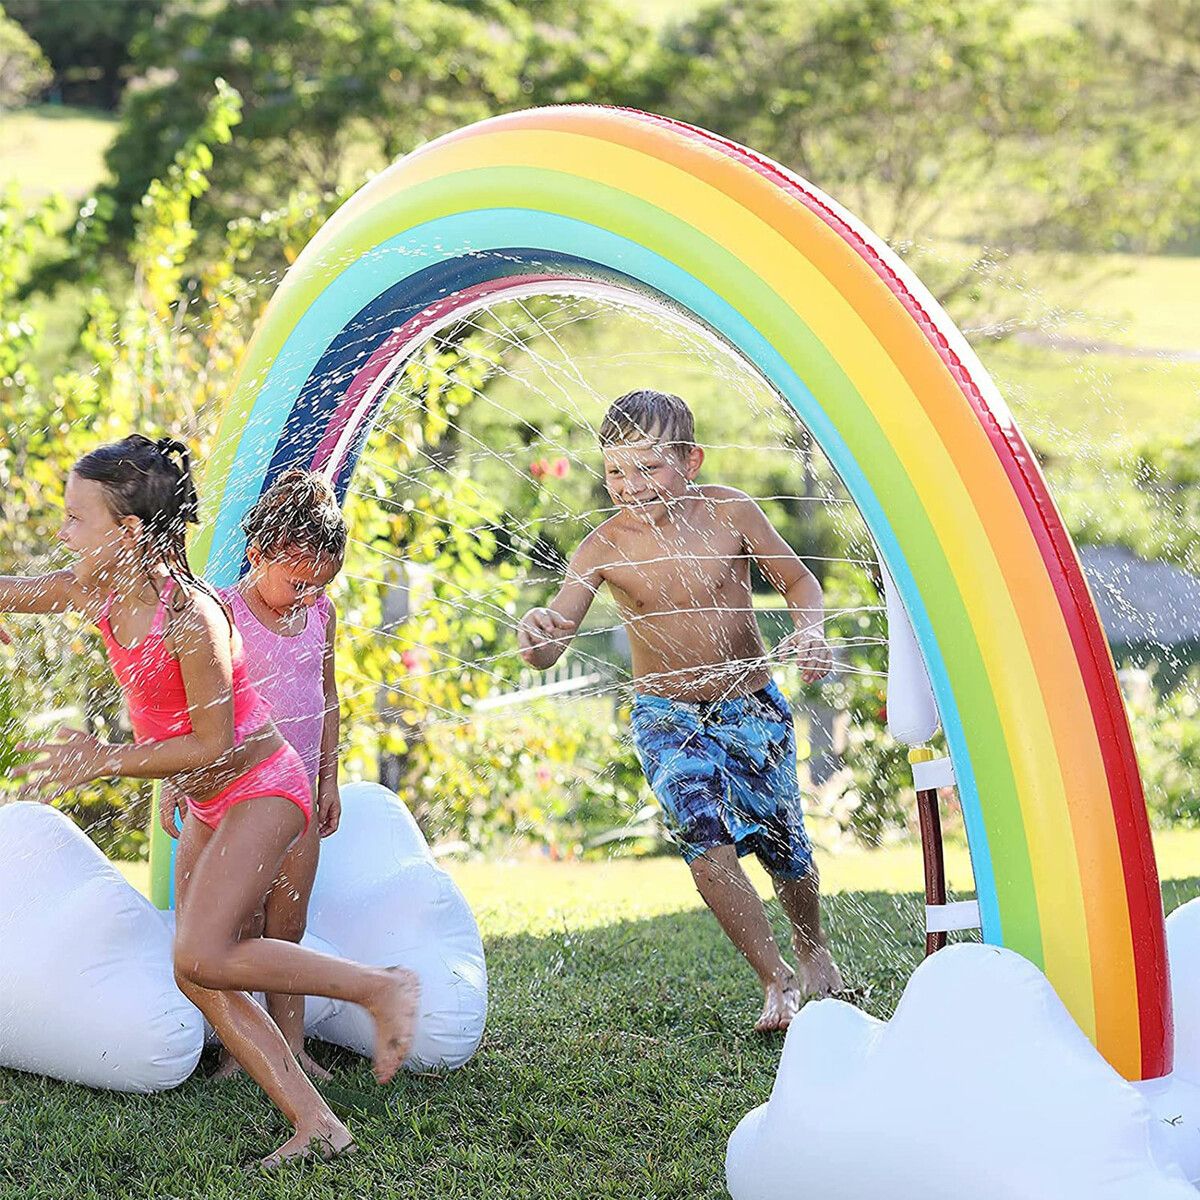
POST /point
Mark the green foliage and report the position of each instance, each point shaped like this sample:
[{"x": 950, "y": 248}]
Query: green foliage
[
  {"x": 1167, "y": 732},
  {"x": 88, "y": 44},
  {"x": 24, "y": 70},
  {"x": 334, "y": 89},
  {"x": 943, "y": 120},
  {"x": 152, "y": 357},
  {"x": 1145, "y": 496}
]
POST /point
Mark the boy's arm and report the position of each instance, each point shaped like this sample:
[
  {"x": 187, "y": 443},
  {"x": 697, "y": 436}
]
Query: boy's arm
[
  {"x": 329, "y": 803},
  {"x": 543, "y": 634},
  {"x": 794, "y": 581}
]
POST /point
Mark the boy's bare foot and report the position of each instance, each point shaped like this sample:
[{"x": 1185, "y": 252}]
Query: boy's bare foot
[
  {"x": 394, "y": 1010},
  {"x": 227, "y": 1066},
  {"x": 819, "y": 974},
  {"x": 325, "y": 1141},
  {"x": 781, "y": 1002}
]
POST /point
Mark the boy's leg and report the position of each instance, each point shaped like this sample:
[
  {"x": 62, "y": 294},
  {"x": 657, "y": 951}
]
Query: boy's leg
[
  {"x": 768, "y": 794},
  {"x": 726, "y": 889},
  {"x": 683, "y": 768},
  {"x": 801, "y": 900},
  {"x": 287, "y": 919}
]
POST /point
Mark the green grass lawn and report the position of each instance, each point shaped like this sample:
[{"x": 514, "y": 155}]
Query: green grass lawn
[
  {"x": 618, "y": 1056},
  {"x": 48, "y": 148},
  {"x": 1071, "y": 402}
]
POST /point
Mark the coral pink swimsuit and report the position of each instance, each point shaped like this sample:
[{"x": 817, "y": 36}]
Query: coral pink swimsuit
[{"x": 152, "y": 683}]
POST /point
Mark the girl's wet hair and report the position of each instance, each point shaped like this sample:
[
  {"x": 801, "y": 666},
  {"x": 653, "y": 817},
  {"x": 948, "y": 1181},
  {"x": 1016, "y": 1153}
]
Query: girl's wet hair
[
  {"x": 298, "y": 512},
  {"x": 150, "y": 480}
]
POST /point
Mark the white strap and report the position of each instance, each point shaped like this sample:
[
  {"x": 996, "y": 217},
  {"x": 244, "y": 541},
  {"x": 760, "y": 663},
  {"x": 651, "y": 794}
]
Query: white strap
[
  {"x": 942, "y": 918},
  {"x": 936, "y": 773}
]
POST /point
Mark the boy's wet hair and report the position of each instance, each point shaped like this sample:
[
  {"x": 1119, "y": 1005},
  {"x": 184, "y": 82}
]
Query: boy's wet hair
[
  {"x": 648, "y": 415},
  {"x": 299, "y": 511},
  {"x": 150, "y": 480}
]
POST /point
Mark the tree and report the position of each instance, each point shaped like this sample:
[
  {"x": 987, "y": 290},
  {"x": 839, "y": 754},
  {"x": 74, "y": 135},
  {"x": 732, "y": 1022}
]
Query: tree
[
  {"x": 990, "y": 123},
  {"x": 23, "y": 68},
  {"x": 336, "y": 88},
  {"x": 87, "y": 43},
  {"x": 1156, "y": 44}
]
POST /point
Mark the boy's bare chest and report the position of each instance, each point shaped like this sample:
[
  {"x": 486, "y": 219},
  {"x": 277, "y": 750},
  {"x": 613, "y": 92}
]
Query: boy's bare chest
[{"x": 659, "y": 574}]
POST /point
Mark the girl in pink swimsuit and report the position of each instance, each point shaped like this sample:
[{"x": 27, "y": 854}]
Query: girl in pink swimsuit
[
  {"x": 296, "y": 541},
  {"x": 199, "y": 721}
]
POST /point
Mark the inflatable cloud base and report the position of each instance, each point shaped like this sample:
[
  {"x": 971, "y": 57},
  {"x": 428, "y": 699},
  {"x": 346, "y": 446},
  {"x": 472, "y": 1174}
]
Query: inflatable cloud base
[
  {"x": 87, "y": 992},
  {"x": 981, "y": 1085}
]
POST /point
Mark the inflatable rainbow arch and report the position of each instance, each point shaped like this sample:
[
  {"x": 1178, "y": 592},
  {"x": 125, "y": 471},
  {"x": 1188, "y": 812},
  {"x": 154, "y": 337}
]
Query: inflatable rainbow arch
[{"x": 583, "y": 197}]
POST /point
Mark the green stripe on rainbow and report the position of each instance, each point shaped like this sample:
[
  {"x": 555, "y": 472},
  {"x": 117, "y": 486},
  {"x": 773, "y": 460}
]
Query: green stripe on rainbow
[{"x": 1049, "y": 785}]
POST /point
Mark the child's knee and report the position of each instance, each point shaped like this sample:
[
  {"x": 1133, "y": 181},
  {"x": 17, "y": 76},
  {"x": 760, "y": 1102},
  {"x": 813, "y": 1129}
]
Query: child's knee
[{"x": 198, "y": 960}]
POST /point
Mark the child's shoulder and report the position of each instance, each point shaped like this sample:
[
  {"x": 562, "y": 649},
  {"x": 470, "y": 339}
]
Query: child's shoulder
[
  {"x": 192, "y": 607},
  {"x": 325, "y": 610},
  {"x": 728, "y": 505},
  {"x": 721, "y": 492}
]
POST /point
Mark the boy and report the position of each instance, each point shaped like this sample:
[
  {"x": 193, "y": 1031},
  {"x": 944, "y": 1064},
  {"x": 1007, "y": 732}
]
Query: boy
[{"x": 711, "y": 728}]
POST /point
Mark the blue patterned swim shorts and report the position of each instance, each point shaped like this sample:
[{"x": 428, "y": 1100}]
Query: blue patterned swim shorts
[{"x": 724, "y": 773}]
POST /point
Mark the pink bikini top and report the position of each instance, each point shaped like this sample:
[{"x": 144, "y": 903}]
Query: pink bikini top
[
  {"x": 289, "y": 673},
  {"x": 152, "y": 682}
]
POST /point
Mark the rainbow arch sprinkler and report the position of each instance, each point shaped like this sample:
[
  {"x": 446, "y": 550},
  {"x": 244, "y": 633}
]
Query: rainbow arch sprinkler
[{"x": 646, "y": 207}]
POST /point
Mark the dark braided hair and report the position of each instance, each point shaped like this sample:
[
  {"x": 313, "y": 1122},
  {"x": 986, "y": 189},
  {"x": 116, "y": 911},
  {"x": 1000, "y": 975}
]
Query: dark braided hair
[
  {"x": 298, "y": 511},
  {"x": 152, "y": 481}
]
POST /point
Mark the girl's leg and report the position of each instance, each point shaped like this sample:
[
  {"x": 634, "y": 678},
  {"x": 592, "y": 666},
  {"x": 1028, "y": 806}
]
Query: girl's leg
[
  {"x": 286, "y": 920},
  {"x": 192, "y": 840},
  {"x": 242, "y": 1025},
  {"x": 226, "y": 885},
  {"x": 255, "y": 1040}
]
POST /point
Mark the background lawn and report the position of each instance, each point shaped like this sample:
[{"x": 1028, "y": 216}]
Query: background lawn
[{"x": 618, "y": 1057}]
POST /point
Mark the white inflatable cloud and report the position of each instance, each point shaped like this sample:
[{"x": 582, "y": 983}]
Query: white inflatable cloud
[
  {"x": 87, "y": 990},
  {"x": 381, "y": 899},
  {"x": 980, "y": 1086}
]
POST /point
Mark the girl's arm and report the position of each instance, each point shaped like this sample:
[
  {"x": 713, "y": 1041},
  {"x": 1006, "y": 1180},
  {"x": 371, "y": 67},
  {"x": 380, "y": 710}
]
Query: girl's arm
[
  {"x": 200, "y": 639},
  {"x": 55, "y": 592},
  {"x": 329, "y": 801}
]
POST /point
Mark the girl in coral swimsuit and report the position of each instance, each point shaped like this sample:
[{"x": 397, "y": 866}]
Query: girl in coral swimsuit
[{"x": 199, "y": 722}]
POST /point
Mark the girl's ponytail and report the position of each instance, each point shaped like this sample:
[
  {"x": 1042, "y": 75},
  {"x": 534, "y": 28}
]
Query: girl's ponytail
[{"x": 150, "y": 480}]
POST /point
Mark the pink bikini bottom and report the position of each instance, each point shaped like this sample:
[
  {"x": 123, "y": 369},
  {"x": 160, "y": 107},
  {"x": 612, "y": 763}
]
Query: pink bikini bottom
[{"x": 282, "y": 774}]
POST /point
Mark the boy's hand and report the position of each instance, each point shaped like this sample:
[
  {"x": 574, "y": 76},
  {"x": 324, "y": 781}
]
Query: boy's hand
[
  {"x": 171, "y": 801},
  {"x": 329, "y": 811},
  {"x": 810, "y": 651},
  {"x": 541, "y": 627}
]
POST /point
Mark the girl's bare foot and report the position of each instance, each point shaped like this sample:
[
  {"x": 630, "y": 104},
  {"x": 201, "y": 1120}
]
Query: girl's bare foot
[
  {"x": 324, "y": 1141},
  {"x": 819, "y": 975},
  {"x": 227, "y": 1066},
  {"x": 781, "y": 1002},
  {"x": 313, "y": 1070},
  {"x": 394, "y": 1009}
]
